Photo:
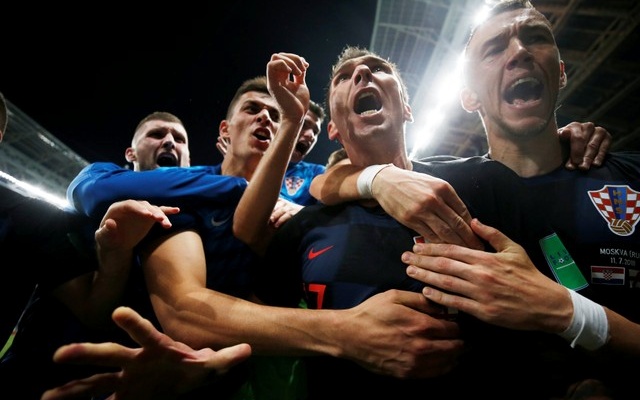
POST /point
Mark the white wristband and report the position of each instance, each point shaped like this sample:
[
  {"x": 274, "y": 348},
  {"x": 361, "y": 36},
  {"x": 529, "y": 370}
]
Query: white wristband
[
  {"x": 589, "y": 327},
  {"x": 365, "y": 179}
]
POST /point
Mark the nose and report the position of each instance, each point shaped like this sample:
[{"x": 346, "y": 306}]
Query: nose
[
  {"x": 519, "y": 54},
  {"x": 362, "y": 74},
  {"x": 264, "y": 116},
  {"x": 169, "y": 142},
  {"x": 306, "y": 133}
]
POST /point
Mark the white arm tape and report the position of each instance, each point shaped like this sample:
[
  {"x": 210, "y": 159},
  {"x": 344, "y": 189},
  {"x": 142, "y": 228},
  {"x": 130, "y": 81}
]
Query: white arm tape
[
  {"x": 589, "y": 327},
  {"x": 365, "y": 179}
]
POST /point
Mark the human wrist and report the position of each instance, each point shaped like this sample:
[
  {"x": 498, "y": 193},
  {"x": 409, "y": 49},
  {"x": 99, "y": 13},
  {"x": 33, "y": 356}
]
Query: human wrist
[
  {"x": 589, "y": 327},
  {"x": 365, "y": 180}
]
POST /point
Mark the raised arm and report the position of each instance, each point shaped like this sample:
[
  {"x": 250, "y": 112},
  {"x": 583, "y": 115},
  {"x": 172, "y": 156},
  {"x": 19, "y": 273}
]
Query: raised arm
[{"x": 286, "y": 81}]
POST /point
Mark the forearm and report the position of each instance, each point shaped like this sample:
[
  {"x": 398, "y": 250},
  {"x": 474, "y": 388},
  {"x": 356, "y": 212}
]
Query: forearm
[
  {"x": 597, "y": 328},
  {"x": 110, "y": 281},
  {"x": 93, "y": 296},
  {"x": 251, "y": 218},
  {"x": 269, "y": 330},
  {"x": 623, "y": 335},
  {"x": 337, "y": 185}
]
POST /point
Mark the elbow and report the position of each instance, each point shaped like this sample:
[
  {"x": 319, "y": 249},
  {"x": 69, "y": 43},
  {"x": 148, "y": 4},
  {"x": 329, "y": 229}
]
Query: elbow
[{"x": 248, "y": 237}]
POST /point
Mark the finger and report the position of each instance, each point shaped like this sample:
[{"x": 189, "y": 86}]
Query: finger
[
  {"x": 426, "y": 232},
  {"x": 298, "y": 64},
  {"x": 448, "y": 299},
  {"x": 221, "y": 149},
  {"x": 279, "y": 64},
  {"x": 228, "y": 357},
  {"x": 494, "y": 237},
  {"x": 603, "y": 145},
  {"x": 103, "y": 354},
  {"x": 169, "y": 210},
  {"x": 455, "y": 228},
  {"x": 437, "y": 230},
  {"x": 160, "y": 215},
  {"x": 584, "y": 151},
  {"x": 442, "y": 268},
  {"x": 277, "y": 214},
  {"x": 578, "y": 135},
  {"x": 574, "y": 134},
  {"x": 139, "y": 329},
  {"x": 417, "y": 302},
  {"x": 439, "y": 327},
  {"x": 278, "y": 222},
  {"x": 95, "y": 385}
]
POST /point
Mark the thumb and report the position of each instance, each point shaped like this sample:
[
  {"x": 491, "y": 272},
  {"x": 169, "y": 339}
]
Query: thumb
[{"x": 498, "y": 240}]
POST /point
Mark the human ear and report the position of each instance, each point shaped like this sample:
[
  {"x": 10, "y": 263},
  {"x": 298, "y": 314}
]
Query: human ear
[
  {"x": 469, "y": 100},
  {"x": 332, "y": 132},
  {"x": 563, "y": 75},
  {"x": 408, "y": 114},
  {"x": 130, "y": 154}
]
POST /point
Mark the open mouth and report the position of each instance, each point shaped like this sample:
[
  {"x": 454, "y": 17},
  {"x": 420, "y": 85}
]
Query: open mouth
[
  {"x": 523, "y": 90},
  {"x": 261, "y": 136},
  {"x": 167, "y": 160},
  {"x": 302, "y": 147},
  {"x": 367, "y": 103}
]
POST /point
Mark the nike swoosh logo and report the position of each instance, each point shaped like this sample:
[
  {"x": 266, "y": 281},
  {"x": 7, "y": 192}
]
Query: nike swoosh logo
[
  {"x": 219, "y": 223},
  {"x": 314, "y": 254}
]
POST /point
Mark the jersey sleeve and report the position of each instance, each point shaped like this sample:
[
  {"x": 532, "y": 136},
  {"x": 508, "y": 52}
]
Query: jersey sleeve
[{"x": 99, "y": 185}]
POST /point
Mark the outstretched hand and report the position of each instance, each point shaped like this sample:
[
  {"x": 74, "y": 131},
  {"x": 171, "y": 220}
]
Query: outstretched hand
[{"x": 161, "y": 369}]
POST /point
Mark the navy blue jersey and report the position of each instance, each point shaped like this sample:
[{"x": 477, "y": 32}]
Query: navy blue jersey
[
  {"x": 596, "y": 216},
  {"x": 338, "y": 256},
  {"x": 297, "y": 180},
  {"x": 592, "y": 225},
  {"x": 228, "y": 258},
  {"x": 586, "y": 219}
]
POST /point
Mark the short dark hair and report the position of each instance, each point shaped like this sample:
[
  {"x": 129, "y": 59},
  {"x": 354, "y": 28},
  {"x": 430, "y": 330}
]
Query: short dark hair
[
  {"x": 257, "y": 84},
  {"x": 317, "y": 109},
  {"x": 159, "y": 116}
]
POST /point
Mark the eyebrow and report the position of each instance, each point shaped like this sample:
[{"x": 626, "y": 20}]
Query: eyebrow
[
  {"x": 364, "y": 60},
  {"x": 259, "y": 103}
]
